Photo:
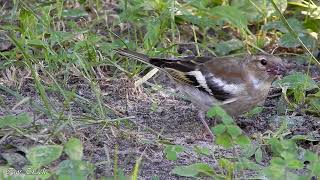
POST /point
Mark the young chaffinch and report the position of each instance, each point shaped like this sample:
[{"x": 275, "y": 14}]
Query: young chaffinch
[{"x": 236, "y": 84}]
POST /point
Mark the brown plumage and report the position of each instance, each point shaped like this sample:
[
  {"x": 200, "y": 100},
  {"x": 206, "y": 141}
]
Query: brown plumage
[{"x": 237, "y": 84}]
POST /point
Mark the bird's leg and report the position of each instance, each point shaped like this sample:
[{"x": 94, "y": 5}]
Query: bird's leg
[{"x": 201, "y": 115}]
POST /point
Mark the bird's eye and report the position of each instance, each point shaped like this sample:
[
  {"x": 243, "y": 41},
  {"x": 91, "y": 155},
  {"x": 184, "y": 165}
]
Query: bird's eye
[{"x": 263, "y": 62}]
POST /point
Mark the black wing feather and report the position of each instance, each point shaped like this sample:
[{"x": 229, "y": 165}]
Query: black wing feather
[{"x": 217, "y": 91}]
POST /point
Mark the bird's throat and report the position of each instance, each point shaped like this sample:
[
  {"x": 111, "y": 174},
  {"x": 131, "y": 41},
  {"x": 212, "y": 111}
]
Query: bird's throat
[{"x": 256, "y": 83}]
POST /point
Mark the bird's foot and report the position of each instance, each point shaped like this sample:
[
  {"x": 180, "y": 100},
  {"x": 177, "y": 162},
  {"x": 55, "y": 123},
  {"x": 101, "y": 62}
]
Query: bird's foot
[{"x": 208, "y": 135}]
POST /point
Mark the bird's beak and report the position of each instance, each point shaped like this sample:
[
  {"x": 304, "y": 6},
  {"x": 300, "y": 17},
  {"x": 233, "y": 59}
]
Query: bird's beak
[{"x": 278, "y": 69}]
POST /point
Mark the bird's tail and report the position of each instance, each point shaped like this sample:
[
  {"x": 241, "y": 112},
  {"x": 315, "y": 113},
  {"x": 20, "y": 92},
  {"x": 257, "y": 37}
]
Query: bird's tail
[
  {"x": 133, "y": 55},
  {"x": 180, "y": 69},
  {"x": 162, "y": 63}
]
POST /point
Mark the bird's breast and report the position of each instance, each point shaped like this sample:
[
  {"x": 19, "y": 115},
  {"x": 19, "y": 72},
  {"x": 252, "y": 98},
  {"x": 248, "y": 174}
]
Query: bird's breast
[{"x": 240, "y": 103}]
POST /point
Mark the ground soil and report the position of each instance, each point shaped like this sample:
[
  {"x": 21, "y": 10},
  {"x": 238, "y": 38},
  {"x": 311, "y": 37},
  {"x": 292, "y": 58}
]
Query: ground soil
[{"x": 156, "y": 116}]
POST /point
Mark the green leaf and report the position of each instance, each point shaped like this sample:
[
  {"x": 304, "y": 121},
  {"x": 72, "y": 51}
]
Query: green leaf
[
  {"x": 259, "y": 9},
  {"x": 316, "y": 169},
  {"x": 253, "y": 112},
  {"x": 172, "y": 150},
  {"x": 249, "y": 150},
  {"x": 74, "y": 149},
  {"x": 278, "y": 161},
  {"x": 203, "y": 168},
  {"x": 258, "y": 155},
  {"x": 74, "y": 170},
  {"x": 155, "y": 29},
  {"x": 74, "y": 13},
  {"x": 199, "y": 18},
  {"x": 185, "y": 171},
  {"x": 245, "y": 164},
  {"x": 218, "y": 129},
  {"x": 296, "y": 80},
  {"x": 275, "y": 170},
  {"x": 288, "y": 156},
  {"x": 310, "y": 156},
  {"x": 17, "y": 120},
  {"x": 217, "y": 111},
  {"x": 155, "y": 177},
  {"x": 233, "y": 130},
  {"x": 314, "y": 104},
  {"x": 60, "y": 37},
  {"x": 225, "y": 164},
  {"x": 28, "y": 23},
  {"x": 193, "y": 170},
  {"x": 243, "y": 140},
  {"x": 35, "y": 42},
  {"x": 201, "y": 21},
  {"x": 225, "y": 47},
  {"x": 4, "y": 171},
  {"x": 171, "y": 155},
  {"x": 295, "y": 164},
  {"x": 296, "y": 25},
  {"x": 289, "y": 146},
  {"x": 289, "y": 41},
  {"x": 278, "y": 147},
  {"x": 177, "y": 148},
  {"x": 304, "y": 138},
  {"x": 43, "y": 155},
  {"x": 203, "y": 3},
  {"x": 232, "y": 15},
  {"x": 201, "y": 150},
  {"x": 293, "y": 176},
  {"x": 224, "y": 140},
  {"x": 313, "y": 24}
]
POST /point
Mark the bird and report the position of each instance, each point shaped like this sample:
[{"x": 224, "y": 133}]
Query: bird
[{"x": 237, "y": 84}]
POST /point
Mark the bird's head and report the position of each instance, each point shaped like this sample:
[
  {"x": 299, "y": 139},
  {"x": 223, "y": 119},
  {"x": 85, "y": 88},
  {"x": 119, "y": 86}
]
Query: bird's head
[{"x": 265, "y": 67}]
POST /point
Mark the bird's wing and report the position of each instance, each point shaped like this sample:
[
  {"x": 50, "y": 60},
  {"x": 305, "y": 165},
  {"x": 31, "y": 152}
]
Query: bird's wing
[
  {"x": 206, "y": 74},
  {"x": 219, "y": 77}
]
